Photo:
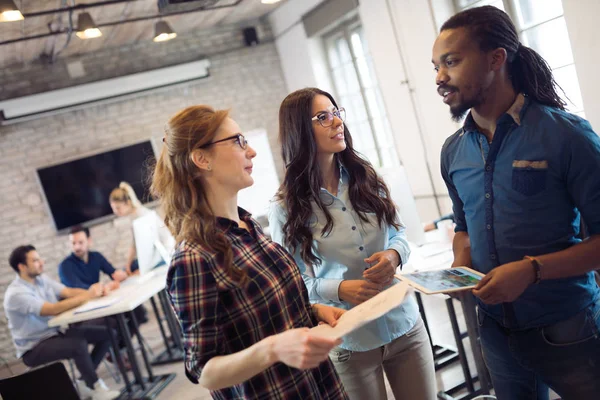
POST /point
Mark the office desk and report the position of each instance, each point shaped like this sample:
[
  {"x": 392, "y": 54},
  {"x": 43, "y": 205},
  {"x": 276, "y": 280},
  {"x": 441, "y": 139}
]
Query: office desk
[
  {"x": 437, "y": 254},
  {"x": 129, "y": 297}
]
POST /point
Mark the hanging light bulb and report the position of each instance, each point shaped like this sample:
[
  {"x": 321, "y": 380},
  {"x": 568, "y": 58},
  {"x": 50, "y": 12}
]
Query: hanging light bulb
[
  {"x": 86, "y": 27},
  {"x": 9, "y": 11},
  {"x": 163, "y": 32}
]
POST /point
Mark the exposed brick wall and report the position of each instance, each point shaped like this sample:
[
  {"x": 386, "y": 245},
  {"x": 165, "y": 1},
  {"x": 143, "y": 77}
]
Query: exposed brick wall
[{"x": 247, "y": 80}]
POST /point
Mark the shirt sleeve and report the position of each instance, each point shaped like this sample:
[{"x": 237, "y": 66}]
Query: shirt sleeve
[
  {"x": 320, "y": 290},
  {"x": 583, "y": 179},
  {"x": 24, "y": 303},
  {"x": 194, "y": 297},
  {"x": 399, "y": 242},
  {"x": 106, "y": 266},
  {"x": 457, "y": 204}
]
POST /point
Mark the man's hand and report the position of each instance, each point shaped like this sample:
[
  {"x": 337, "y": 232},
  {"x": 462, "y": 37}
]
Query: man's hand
[
  {"x": 119, "y": 275},
  {"x": 383, "y": 271},
  {"x": 504, "y": 284},
  {"x": 96, "y": 290},
  {"x": 110, "y": 286}
]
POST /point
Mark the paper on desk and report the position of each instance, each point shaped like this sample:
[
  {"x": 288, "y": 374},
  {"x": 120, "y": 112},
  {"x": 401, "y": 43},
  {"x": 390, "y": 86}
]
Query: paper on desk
[
  {"x": 97, "y": 304},
  {"x": 365, "y": 312}
]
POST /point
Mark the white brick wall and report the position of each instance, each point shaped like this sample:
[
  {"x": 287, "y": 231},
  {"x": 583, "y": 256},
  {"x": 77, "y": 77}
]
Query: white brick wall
[{"x": 247, "y": 80}]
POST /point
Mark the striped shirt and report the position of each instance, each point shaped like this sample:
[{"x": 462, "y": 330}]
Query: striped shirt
[{"x": 219, "y": 318}]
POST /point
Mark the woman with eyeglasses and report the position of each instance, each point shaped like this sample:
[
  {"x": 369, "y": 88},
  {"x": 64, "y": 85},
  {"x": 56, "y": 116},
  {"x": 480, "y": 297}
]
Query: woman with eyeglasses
[
  {"x": 239, "y": 297},
  {"x": 334, "y": 214}
]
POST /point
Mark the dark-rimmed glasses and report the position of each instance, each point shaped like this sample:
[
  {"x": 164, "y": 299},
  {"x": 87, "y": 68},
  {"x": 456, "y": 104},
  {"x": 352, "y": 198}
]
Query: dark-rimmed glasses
[
  {"x": 239, "y": 138},
  {"x": 325, "y": 118}
]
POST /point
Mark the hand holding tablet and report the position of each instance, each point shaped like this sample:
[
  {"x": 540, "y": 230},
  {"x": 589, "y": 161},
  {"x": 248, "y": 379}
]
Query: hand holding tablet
[{"x": 443, "y": 280}]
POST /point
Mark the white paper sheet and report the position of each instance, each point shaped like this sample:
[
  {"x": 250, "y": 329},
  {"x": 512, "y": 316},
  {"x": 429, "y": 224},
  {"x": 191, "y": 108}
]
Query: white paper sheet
[
  {"x": 365, "y": 312},
  {"x": 96, "y": 304}
]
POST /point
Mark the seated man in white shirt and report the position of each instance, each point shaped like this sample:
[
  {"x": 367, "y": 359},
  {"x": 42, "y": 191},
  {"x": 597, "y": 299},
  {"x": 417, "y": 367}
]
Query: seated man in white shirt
[{"x": 31, "y": 300}]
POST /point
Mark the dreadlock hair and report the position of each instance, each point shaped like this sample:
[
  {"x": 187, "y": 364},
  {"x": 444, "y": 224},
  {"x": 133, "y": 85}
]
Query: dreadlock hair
[{"x": 530, "y": 74}]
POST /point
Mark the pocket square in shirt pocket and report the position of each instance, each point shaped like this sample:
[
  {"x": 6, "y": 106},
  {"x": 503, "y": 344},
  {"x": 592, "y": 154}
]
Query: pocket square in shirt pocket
[{"x": 529, "y": 177}]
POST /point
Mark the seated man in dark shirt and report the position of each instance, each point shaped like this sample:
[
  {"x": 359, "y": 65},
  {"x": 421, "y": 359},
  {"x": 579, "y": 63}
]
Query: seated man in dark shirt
[{"x": 82, "y": 267}]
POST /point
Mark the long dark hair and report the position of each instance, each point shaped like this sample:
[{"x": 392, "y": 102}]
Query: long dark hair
[
  {"x": 530, "y": 74},
  {"x": 302, "y": 183}
]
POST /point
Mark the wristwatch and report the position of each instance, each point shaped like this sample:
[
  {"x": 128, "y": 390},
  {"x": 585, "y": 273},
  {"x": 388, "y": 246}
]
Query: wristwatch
[{"x": 537, "y": 265}]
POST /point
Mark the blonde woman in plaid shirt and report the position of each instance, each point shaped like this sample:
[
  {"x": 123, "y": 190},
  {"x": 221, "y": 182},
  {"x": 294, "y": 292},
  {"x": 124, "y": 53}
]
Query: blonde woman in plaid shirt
[{"x": 240, "y": 298}]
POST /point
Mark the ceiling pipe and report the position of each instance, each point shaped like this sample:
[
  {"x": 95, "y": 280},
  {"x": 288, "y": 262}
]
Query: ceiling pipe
[{"x": 104, "y": 3}]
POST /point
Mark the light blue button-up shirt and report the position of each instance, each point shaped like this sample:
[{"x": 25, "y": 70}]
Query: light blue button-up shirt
[
  {"x": 342, "y": 253},
  {"x": 23, "y": 303}
]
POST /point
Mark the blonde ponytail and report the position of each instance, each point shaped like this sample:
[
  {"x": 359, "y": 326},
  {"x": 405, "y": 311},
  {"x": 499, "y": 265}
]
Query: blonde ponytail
[{"x": 125, "y": 194}]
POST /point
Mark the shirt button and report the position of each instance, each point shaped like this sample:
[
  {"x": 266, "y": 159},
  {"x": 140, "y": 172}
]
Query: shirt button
[
  {"x": 353, "y": 228},
  {"x": 343, "y": 208},
  {"x": 361, "y": 248},
  {"x": 488, "y": 168},
  {"x": 487, "y": 196},
  {"x": 488, "y": 226},
  {"x": 493, "y": 256}
]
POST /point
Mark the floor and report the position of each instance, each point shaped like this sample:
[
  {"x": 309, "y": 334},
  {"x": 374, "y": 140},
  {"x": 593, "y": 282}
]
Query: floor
[{"x": 181, "y": 389}]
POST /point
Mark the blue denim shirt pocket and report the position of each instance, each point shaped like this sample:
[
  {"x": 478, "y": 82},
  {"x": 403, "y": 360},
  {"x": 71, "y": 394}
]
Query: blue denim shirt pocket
[{"x": 529, "y": 177}]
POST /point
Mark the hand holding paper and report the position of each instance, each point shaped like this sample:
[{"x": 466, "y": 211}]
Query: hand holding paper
[{"x": 364, "y": 312}]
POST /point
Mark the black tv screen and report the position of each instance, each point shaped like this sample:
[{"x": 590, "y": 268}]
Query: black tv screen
[{"x": 77, "y": 191}]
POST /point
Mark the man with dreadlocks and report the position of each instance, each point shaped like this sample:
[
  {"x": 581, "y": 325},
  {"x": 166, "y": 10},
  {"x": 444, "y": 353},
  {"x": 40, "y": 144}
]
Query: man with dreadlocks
[{"x": 522, "y": 172}]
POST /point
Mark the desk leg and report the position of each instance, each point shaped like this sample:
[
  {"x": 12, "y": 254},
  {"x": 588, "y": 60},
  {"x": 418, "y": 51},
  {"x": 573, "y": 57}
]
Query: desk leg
[
  {"x": 118, "y": 358},
  {"x": 470, "y": 313},
  {"x": 161, "y": 327},
  {"x": 142, "y": 348},
  {"x": 173, "y": 324},
  {"x": 124, "y": 331},
  {"x": 460, "y": 346},
  {"x": 442, "y": 355}
]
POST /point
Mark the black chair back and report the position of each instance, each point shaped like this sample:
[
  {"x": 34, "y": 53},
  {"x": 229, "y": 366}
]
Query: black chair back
[{"x": 48, "y": 382}]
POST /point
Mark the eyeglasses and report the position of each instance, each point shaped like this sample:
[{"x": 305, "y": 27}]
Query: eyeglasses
[
  {"x": 325, "y": 118},
  {"x": 239, "y": 138}
]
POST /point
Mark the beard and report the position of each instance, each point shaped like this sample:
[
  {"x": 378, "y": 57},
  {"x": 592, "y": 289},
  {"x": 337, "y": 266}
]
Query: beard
[{"x": 459, "y": 111}]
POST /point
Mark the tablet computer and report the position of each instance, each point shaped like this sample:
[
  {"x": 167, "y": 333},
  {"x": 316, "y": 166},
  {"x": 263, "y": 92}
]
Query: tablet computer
[{"x": 443, "y": 280}]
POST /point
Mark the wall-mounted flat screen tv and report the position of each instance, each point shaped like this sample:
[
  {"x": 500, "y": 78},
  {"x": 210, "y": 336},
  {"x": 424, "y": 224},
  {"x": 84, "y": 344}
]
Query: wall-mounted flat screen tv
[{"x": 77, "y": 191}]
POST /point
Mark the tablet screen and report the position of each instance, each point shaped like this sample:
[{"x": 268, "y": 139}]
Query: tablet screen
[{"x": 445, "y": 280}]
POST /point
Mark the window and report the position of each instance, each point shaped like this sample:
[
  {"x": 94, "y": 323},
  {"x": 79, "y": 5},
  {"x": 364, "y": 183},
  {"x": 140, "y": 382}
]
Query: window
[
  {"x": 541, "y": 25},
  {"x": 357, "y": 90}
]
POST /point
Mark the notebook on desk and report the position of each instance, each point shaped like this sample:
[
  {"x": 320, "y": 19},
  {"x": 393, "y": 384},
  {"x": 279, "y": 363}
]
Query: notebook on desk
[{"x": 97, "y": 304}]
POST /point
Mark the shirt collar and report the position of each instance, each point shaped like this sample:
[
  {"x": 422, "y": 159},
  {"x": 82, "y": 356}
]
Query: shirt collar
[
  {"x": 515, "y": 112},
  {"x": 22, "y": 281},
  {"x": 344, "y": 177},
  {"x": 226, "y": 223}
]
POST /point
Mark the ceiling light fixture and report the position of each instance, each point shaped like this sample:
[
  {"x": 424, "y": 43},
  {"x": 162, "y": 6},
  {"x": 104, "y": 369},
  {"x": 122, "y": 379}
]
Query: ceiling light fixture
[
  {"x": 9, "y": 11},
  {"x": 86, "y": 27},
  {"x": 163, "y": 32},
  {"x": 269, "y": 1}
]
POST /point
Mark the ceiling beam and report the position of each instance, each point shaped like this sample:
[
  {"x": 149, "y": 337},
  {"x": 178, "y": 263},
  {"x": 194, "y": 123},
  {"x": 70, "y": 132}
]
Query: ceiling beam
[{"x": 120, "y": 22}]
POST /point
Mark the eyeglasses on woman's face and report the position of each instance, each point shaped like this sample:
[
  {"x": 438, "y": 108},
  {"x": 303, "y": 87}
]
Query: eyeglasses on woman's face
[
  {"x": 325, "y": 118},
  {"x": 239, "y": 138}
]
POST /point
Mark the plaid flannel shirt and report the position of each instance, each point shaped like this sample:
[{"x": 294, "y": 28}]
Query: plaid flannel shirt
[{"x": 219, "y": 318}]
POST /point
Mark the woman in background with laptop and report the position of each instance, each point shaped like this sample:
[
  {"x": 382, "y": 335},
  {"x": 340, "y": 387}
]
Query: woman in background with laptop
[
  {"x": 125, "y": 203},
  {"x": 334, "y": 213},
  {"x": 239, "y": 298}
]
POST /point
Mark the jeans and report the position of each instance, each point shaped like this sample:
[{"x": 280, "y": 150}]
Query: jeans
[
  {"x": 407, "y": 362},
  {"x": 564, "y": 356},
  {"x": 73, "y": 345}
]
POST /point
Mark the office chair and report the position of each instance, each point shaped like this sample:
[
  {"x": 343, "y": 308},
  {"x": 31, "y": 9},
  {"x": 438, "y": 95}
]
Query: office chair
[{"x": 48, "y": 382}]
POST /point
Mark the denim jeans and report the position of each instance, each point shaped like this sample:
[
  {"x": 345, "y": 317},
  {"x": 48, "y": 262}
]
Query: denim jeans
[{"x": 564, "y": 356}]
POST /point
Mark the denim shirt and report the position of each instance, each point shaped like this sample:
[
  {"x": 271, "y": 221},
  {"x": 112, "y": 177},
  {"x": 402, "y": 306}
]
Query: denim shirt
[
  {"x": 342, "y": 253},
  {"x": 524, "y": 194}
]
